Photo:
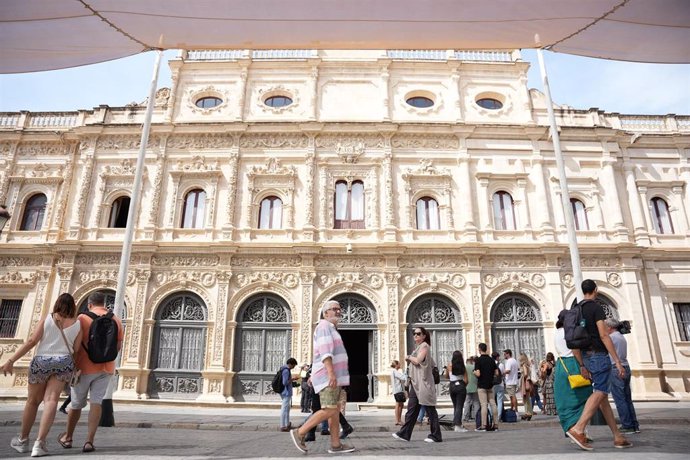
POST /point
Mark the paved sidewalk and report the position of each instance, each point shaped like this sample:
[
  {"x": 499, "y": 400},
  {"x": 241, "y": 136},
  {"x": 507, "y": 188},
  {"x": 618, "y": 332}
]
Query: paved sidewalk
[{"x": 137, "y": 415}]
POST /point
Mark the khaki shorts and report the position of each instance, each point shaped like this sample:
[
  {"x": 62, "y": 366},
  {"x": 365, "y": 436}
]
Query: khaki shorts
[
  {"x": 511, "y": 390},
  {"x": 330, "y": 397},
  {"x": 93, "y": 385}
]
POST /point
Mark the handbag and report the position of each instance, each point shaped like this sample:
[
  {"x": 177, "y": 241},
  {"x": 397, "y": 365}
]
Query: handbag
[
  {"x": 436, "y": 375},
  {"x": 76, "y": 373},
  {"x": 575, "y": 380}
]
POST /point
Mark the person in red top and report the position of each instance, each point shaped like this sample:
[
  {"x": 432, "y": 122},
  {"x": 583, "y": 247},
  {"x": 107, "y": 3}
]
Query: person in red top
[{"x": 94, "y": 380}]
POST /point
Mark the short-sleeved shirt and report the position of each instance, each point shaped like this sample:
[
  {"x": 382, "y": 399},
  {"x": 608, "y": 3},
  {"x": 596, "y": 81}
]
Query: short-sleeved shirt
[
  {"x": 621, "y": 347},
  {"x": 83, "y": 361},
  {"x": 593, "y": 312},
  {"x": 511, "y": 365},
  {"x": 328, "y": 344},
  {"x": 487, "y": 368},
  {"x": 471, "y": 378}
]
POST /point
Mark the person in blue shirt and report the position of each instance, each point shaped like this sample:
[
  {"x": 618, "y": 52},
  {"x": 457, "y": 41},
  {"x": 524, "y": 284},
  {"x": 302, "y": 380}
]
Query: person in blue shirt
[{"x": 286, "y": 394}]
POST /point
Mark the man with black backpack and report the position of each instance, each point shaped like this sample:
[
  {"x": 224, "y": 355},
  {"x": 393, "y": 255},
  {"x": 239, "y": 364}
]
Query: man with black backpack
[
  {"x": 595, "y": 365},
  {"x": 102, "y": 339}
]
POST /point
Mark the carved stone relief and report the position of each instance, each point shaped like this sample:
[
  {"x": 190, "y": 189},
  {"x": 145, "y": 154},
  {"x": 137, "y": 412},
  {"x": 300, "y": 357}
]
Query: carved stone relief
[
  {"x": 41, "y": 149},
  {"x": 408, "y": 281},
  {"x": 273, "y": 262},
  {"x": 124, "y": 142},
  {"x": 273, "y": 140},
  {"x": 185, "y": 261},
  {"x": 425, "y": 141},
  {"x": 492, "y": 280},
  {"x": 201, "y": 141}
]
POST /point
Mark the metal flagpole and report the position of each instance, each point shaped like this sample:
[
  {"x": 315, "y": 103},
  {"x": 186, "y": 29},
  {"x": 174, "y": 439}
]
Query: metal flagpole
[
  {"x": 107, "y": 417},
  {"x": 563, "y": 181},
  {"x": 136, "y": 191}
]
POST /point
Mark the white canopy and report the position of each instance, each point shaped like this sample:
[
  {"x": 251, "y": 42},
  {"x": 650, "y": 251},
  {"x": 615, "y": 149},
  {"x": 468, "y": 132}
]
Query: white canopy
[{"x": 50, "y": 34}]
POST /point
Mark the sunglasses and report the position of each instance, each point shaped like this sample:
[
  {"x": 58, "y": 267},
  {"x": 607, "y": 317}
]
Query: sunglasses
[{"x": 416, "y": 333}]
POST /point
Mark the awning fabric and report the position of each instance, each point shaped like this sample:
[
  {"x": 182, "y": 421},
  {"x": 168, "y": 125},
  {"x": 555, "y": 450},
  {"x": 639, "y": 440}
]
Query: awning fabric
[{"x": 50, "y": 34}]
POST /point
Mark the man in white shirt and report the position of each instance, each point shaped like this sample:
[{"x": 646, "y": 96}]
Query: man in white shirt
[{"x": 511, "y": 377}]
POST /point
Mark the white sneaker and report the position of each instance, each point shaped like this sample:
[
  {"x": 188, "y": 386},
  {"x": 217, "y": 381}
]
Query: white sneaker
[
  {"x": 20, "y": 446},
  {"x": 39, "y": 449},
  {"x": 460, "y": 429},
  {"x": 429, "y": 440},
  {"x": 395, "y": 435}
]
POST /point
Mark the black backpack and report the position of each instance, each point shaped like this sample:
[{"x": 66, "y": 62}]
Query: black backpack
[
  {"x": 277, "y": 382},
  {"x": 574, "y": 326},
  {"x": 102, "y": 339}
]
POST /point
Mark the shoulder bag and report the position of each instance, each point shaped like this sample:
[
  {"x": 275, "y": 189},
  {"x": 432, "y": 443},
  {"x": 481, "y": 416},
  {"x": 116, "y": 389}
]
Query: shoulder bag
[
  {"x": 76, "y": 373},
  {"x": 575, "y": 380}
]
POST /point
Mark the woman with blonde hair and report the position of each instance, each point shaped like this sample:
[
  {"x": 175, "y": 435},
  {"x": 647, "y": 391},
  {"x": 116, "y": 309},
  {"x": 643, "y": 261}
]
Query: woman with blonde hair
[
  {"x": 56, "y": 335},
  {"x": 526, "y": 386}
]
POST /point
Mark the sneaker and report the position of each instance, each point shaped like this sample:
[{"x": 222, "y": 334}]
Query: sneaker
[
  {"x": 626, "y": 430},
  {"x": 637, "y": 430},
  {"x": 580, "y": 439},
  {"x": 39, "y": 449},
  {"x": 21, "y": 446},
  {"x": 481, "y": 428},
  {"x": 460, "y": 429},
  {"x": 345, "y": 432},
  {"x": 622, "y": 444},
  {"x": 298, "y": 441},
  {"x": 397, "y": 436},
  {"x": 341, "y": 449},
  {"x": 430, "y": 440}
]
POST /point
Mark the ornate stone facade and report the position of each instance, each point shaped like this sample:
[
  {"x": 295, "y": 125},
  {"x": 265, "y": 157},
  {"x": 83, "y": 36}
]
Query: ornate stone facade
[{"x": 348, "y": 123}]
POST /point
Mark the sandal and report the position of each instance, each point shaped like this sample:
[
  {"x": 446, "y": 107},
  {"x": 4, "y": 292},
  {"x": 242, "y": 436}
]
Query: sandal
[
  {"x": 88, "y": 447},
  {"x": 67, "y": 444}
]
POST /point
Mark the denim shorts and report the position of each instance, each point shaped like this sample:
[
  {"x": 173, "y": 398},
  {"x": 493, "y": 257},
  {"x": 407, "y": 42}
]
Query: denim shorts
[{"x": 598, "y": 364}]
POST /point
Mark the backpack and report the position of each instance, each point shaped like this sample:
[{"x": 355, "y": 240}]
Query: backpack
[
  {"x": 509, "y": 416},
  {"x": 277, "y": 382},
  {"x": 103, "y": 337},
  {"x": 574, "y": 326}
]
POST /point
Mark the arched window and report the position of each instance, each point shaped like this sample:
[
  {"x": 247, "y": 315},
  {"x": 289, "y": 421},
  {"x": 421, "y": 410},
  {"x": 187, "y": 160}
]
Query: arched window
[
  {"x": 193, "y": 211},
  {"x": 34, "y": 212},
  {"x": 178, "y": 347},
  {"x": 504, "y": 214},
  {"x": 118, "y": 213},
  {"x": 427, "y": 214},
  {"x": 349, "y": 205},
  {"x": 271, "y": 213},
  {"x": 579, "y": 214},
  {"x": 517, "y": 325},
  {"x": 661, "y": 216},
  {"x": 263, "y": 345},
  {"x": 441, "y": 318}
]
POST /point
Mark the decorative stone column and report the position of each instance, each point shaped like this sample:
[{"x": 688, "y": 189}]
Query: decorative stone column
[
  {"x": 308, "y": 228},
  {"x": 9, "y": 153},
  {"x": 314, "y": 92},
  {"x": 390, "y": 233},
  {"x": 136, "y": 342},
  {"x": 157, "y": 186},
  {"x": 613, "y": 208},
  {"x": 636, "y": 211},
  {"x": 233, "y": 158},
  {"x": 243, "y": 90},
  {"x": 465, "y": 180},
  {"x": 543, "y": 209},
  {"x": 677, "y": 189},
  {"x": 485, "y": 221},
  {"x": 88, "y": 149},
  {"x": 475, "y": 286},
  {"x": 63, "y": 197},
  {"x": 523, "y": 205},
  {"x": 214, "y": 374},
  {"x": 307, "y": 311}
]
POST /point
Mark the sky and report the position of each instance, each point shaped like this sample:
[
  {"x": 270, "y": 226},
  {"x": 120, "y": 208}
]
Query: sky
[{"x": 582, "y": 83}]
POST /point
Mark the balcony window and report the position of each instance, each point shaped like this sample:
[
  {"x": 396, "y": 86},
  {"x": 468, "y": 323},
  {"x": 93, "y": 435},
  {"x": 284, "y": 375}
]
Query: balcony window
[
  {"x": 118, "y": 213},
  {"x": 349, "y": 205},
  {"x": 504, "y": 212},
  {"x": 193, "y": 210},
  {"x": 427, "y": 214},
  {"x": 579, "y": 214},
  {"x": 271, "y": 213},
  {"x": 34, "y": 213},
  {"x": 661, "y": 217}
]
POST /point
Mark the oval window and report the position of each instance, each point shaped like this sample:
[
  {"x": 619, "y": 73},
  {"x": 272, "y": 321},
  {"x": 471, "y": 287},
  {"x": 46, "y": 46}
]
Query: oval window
[
  {"x": 278, "y": 101},
  {"x": 208, "y": 102},
  {"x": 490, "y": 103},
  {"x": 420, "y": 102}
]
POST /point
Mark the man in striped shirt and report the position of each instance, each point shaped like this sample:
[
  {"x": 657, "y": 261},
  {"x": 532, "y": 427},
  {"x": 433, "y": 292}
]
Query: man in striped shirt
[{"x": 329, "y": 376}]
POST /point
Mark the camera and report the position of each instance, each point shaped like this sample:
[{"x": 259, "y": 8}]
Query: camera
[{"x": 624, "y": 327}]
